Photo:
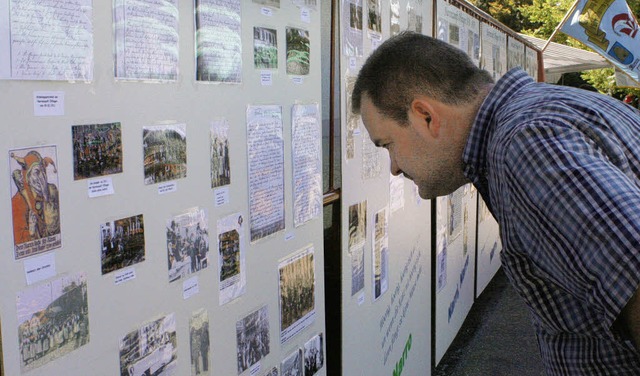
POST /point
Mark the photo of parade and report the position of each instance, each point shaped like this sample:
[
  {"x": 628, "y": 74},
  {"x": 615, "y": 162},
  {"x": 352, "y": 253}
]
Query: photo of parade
[
  {"x": 150, "y": 350},
  {"x": 165, "y": 153},
  {"x": 297, "y": 289},
  {"x": 53, "y": 320},
  {"x": 122, "y": 243},
  {"x": 187, "y": 243},
  {"x": 97, "y": 150},
  {"x": 252, "y": 334}
]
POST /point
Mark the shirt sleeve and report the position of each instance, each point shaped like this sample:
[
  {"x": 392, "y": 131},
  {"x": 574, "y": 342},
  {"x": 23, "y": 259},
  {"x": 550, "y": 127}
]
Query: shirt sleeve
[{"x": 576, "y": 204}]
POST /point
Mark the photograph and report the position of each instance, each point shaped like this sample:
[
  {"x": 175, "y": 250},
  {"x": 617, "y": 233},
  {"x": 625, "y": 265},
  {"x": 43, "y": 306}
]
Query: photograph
[
  {"x": 297, "y": 292},
  {"x": 357, "y": 224},
  {"x": 265, "y": 48},
  {"x": 298, "y": 50},
  {"x": 150, "y": 349},
  {"x": 220, "y": 167},
  {"x": 374, "y": 21},
  {"x": 313, "y": 355},
  {"x": 165, "y": 153},
  {"x": 252, "y": 335},
  {"x": 355, "y": 14},
  {"x": 53, "y": 320},
  {"x": 199, "y": 339},
  {"x": 122, "y": 243},
  {"x": 35, "y": 201},
  {"x": 97, "y": 150},
  {"x": 272, "y": 372},
  {"x": 292, "y": 364},
  {"x": 231, "y": 245},
  {"x": 187, "y": 243}
]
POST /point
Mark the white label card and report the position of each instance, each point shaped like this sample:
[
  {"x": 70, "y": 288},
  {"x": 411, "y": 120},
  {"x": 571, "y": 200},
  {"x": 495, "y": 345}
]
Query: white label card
[
  {"x": 167, "y": 187},
  {"x": 100, "y": 187},
  {"x": 266, "y": 12},
  {"x": 40, "y": 268},
  {"x": 221, "y": 196},
  {"x": 125, "y": 275},
  {"x": 266, "y": 78},
  {"x": 361, "y": 299},
  {"x": 255, "y": 369},
  {"x": 48, "y": 103},
  {"x": 190, "y": 287},
  {"x": 298, "y": 80},
  {"x": 305, "y": 15}
]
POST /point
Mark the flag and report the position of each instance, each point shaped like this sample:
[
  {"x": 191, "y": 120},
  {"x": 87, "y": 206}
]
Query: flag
[{"x": 609, "y": 28}]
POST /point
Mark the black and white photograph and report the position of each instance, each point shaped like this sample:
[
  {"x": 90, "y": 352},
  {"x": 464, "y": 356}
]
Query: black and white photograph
[
  {"x": 313, "y": 355},
  {"x": 272, "y": 372},
  {"x": 150, "y": 349},
  {"x": 187, "y": 243},
  {"x": 252, "y": 335},
  {"x": 165, "y": 153},
  {"x": 355, "y": 14},
  {"x": 122, "y": 243},
  {"x": 297, "y": 293},
  {"x": 380, "y": 253},
  {"x": 199, "y": 340},
  {"x": 97, "y": 150},
  {"x": 357, "y": 269},
  {"x": 357, "y": 224},
  {"x": 374, "y": 19},
  {"x": 298, "y": 51},
  {"x": 53, "y": 320},
  {"x": 292, "y": 364},
  {"x": 220, "y": 166},
  {"x": 265, "y": 48}
]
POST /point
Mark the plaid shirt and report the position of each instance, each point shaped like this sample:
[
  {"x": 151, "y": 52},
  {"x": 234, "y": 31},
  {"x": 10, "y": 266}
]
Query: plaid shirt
[{"x": 559, "y": 169}]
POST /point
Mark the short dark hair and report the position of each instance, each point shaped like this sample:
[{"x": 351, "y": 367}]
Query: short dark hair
[{"x": 411, "y": 64}]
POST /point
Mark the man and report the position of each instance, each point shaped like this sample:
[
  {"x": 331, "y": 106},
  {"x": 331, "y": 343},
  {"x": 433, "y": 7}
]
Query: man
[{"x": 559, "y": 169}]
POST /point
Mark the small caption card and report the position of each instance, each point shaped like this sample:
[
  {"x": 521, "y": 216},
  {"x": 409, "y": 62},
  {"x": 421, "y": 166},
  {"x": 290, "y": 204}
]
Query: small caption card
[
  {"x": 353, "y": 63},
  {"x": 48, "y": 103},
  {"x": 190, "y": 287},
  {"x": 167, "y": 188},
  {"x": 305, "y": 15},
  {"x": 221, "y": 196},
  {"x": 361, "y": 299},
  {"x": 266, "y": 78},
  {"x": 289, "y": 236},
  {"x": 37, "y": 269},
  {"x": 266, "y": 12},
  {"x": 125, "y": 275},
  {"x": 297, "y": 80},
  {"x": 254, "y": 369},
  {"x": 100, "y": 187}
]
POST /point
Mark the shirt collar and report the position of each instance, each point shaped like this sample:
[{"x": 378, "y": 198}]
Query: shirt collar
[{"x": 475, "y": 151}]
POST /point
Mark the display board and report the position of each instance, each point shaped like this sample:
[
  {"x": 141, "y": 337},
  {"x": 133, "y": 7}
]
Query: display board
[
  {"x": 494, "y": 60},
  {"x": 531, "y": 62},
  {"x": 162, "y": 191},
  {"x": 515, "y": 54},
  {"x": 455, "y": 220},
  {"x": 386, "y": 237}
]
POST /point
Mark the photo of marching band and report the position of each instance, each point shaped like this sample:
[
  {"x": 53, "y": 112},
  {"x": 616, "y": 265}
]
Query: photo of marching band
[{"x": 53, "y": 320}]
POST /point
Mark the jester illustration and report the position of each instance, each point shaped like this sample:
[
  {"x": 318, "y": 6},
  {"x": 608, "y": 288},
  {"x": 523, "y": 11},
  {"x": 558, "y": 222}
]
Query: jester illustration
[{"x": 35, "y": 206}]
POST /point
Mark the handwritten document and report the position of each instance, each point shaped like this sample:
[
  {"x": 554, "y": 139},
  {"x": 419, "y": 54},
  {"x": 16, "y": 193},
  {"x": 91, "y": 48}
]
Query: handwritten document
[
  {"x": 48, "y": 40},
  {"x": 266, "y": 170},
  {"x": 146, "y": 34},
  {"x": 218, "y": 41},
  {"x": 307, "y": 166}
]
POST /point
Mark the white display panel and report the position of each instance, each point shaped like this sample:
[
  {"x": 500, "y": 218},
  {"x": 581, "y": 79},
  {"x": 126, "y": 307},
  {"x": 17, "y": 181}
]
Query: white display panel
[
  {"x": 515, "y": 54},
  {"x": 389, "y": 328},
  {"x": 531, "y": 62},
  {"x": 455, "y": 259},
  {"x": 494, "y": 50},
  {"x": 459, "y": 29},
  {"x": 489, "y": 247},
  {"x": 201, "y": 125}
]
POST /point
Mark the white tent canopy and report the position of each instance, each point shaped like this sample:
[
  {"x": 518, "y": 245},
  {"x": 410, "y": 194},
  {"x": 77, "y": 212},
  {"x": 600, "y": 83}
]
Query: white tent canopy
[{"x": 560, "y": 59}]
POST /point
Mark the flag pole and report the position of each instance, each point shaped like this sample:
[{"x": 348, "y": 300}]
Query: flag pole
[{"x": 564, "y": 20}]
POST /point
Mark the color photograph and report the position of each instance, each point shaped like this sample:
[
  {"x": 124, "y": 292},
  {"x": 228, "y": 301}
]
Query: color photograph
[
  {"x": 298, "y": 51},
  {"x": 97, "y": 150},
  {"x": 297, "y": 293},
  {"x": 122, "y": 243},
  {"x": 165, "y": 153},
  {"x": 265, "y": 48}
]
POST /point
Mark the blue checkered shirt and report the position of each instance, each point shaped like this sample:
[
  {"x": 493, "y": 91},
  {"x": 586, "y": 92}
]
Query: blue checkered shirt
[{"x": 559, "y": 168}]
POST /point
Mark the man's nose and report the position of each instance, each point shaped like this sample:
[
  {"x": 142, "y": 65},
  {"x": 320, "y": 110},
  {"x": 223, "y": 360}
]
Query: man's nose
[{"x": 395, "y": 170}]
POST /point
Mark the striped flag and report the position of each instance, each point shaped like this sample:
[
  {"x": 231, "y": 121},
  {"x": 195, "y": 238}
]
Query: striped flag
[{"x": 609, "y": 28}]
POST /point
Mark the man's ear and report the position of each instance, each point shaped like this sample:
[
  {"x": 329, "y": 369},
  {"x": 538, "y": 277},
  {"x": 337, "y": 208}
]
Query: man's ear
[{"x": 424, "y": 117}]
